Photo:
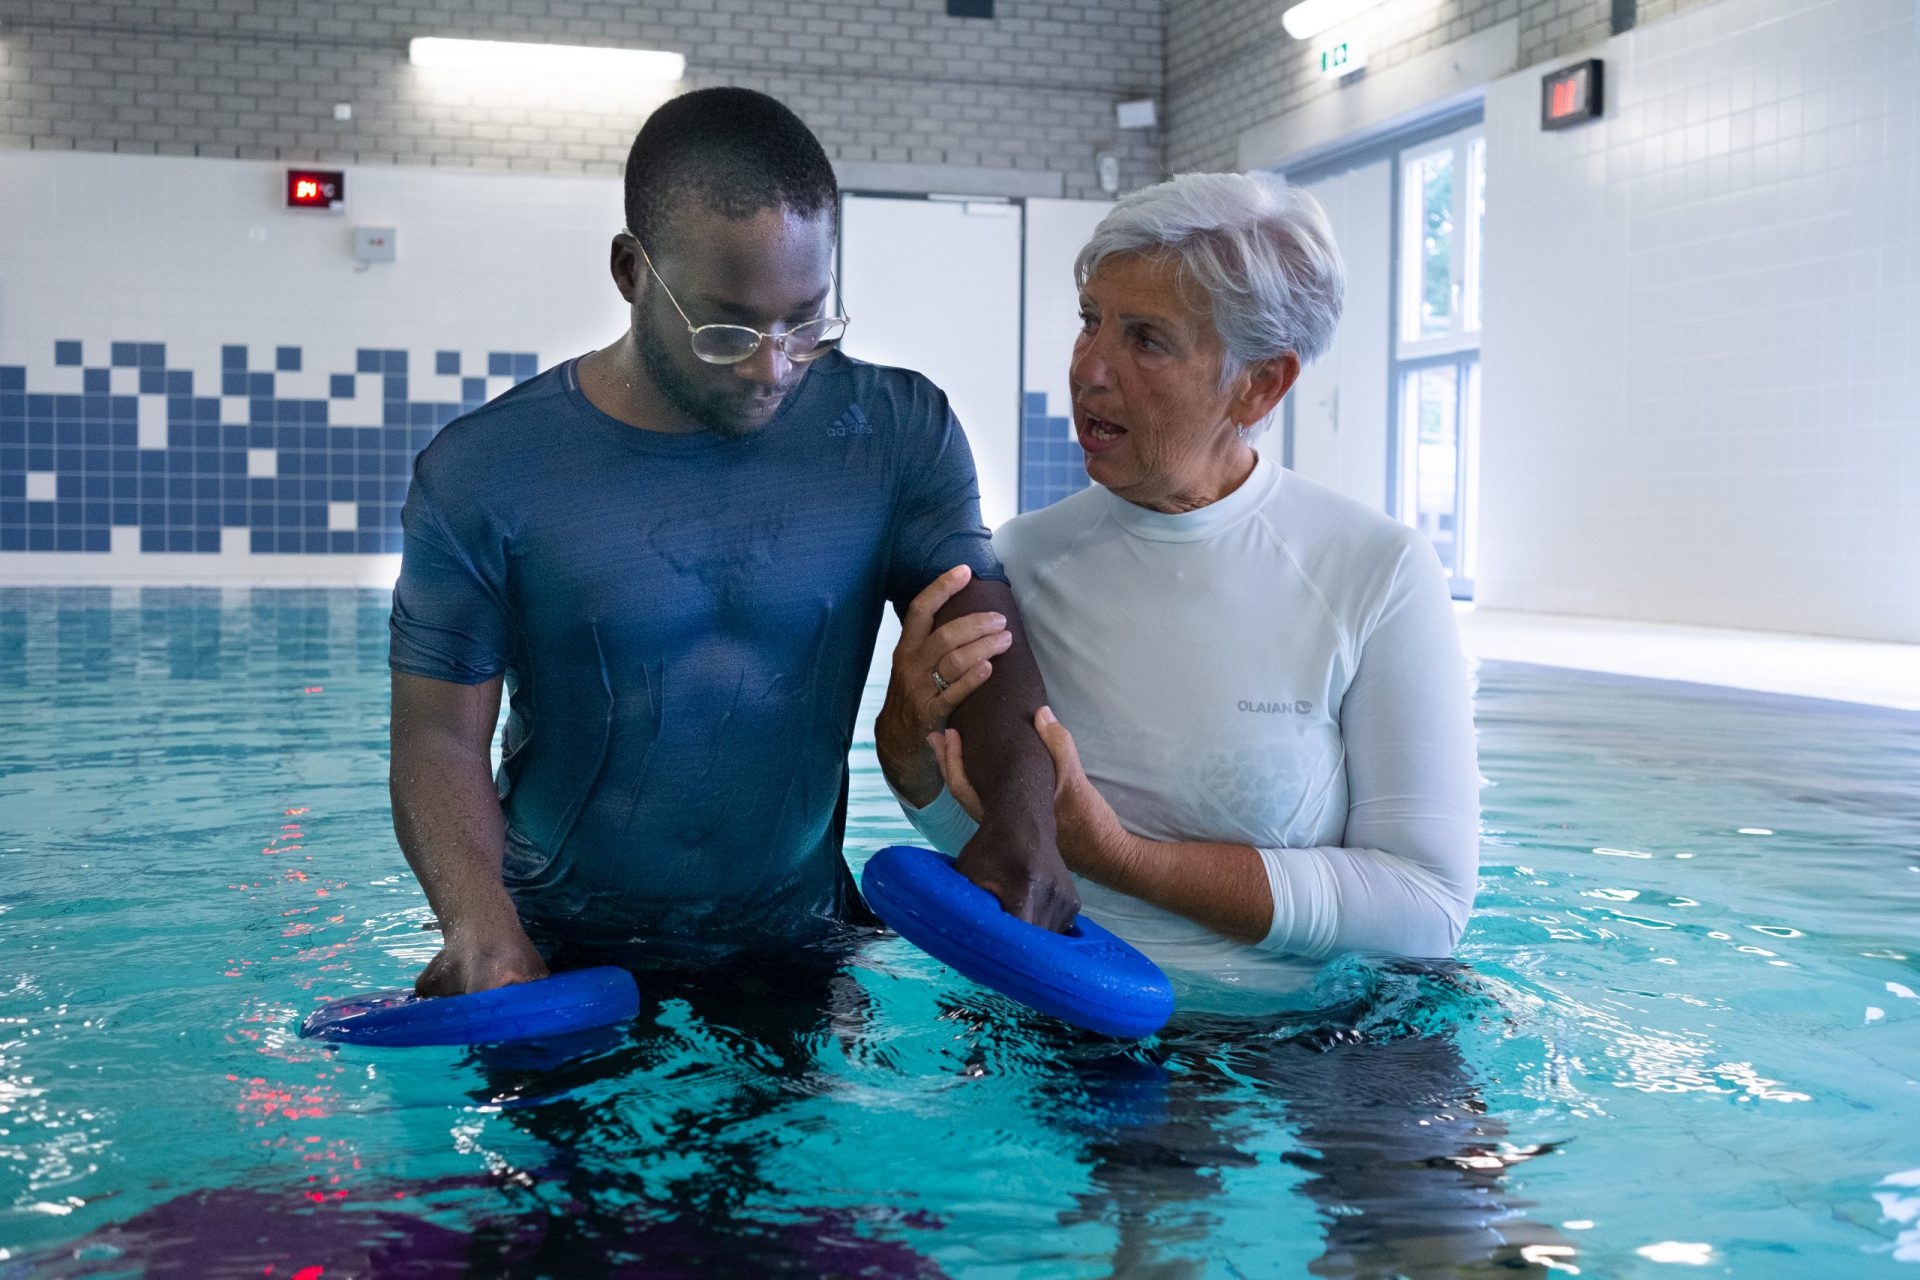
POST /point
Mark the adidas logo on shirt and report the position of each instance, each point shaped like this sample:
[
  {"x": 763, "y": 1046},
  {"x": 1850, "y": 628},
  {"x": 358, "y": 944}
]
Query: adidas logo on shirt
[{"x": 851, "y": 423}]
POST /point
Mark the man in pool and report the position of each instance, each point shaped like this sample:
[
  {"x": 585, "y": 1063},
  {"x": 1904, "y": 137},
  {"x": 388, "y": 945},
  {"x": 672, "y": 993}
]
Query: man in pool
[{"x": 672, "y": 553}]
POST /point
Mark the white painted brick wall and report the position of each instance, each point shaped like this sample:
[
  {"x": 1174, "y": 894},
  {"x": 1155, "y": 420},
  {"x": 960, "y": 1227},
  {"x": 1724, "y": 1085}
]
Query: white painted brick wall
[{"x": 883, "y": 80}]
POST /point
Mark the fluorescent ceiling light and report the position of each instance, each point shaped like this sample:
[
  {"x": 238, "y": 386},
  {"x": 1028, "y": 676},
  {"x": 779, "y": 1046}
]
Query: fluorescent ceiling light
[
  {"x": 545, "y": 59},
  {"x": 1310, "y": 17}
]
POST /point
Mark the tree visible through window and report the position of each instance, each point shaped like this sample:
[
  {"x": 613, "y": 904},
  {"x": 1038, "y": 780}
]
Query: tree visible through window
[
  {"x": 1441, "y": 218},
  {"x": 1436, "y": 244}
]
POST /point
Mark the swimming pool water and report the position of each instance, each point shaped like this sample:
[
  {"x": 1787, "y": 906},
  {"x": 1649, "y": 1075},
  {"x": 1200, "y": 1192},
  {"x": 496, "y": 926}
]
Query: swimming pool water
[{"x": 1683, "y": 1037}]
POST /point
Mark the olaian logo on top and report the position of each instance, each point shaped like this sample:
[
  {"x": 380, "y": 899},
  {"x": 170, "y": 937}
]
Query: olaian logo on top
[
  {"x": 1277, "y": 708},
  {"x": 851, "y": 423}
]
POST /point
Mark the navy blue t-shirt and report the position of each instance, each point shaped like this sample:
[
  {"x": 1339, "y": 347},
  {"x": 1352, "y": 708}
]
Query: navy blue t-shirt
[{"x": 685, "y": 623}]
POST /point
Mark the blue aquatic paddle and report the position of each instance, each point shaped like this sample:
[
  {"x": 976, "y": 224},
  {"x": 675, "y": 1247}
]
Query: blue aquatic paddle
[
  {"x": 1085, "y": 976},
  {"x": 571, "y": 1001}
]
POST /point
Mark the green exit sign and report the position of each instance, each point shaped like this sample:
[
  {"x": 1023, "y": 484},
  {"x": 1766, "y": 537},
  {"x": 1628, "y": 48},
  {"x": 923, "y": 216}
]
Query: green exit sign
[{"x": 1341, "y": 58}]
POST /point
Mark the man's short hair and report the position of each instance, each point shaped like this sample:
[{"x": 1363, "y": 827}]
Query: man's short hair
[{"x": 732, "y": 150}]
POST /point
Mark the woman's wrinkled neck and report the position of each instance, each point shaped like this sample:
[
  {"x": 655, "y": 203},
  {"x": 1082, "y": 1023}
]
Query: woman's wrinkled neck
[{"x": 1232, "y": 471}]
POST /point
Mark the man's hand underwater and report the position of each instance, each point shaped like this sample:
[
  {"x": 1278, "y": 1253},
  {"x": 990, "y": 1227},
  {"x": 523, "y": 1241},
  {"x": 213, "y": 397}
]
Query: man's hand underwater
[{"x": 480, "y": 959}]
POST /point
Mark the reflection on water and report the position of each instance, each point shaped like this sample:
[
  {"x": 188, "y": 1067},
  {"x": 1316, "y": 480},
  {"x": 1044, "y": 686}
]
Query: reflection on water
[
  {"x": 1402, "y": 1161},
  {"x": 1390, "y": 1136},
  {"x": 1682, "y": 1032}
]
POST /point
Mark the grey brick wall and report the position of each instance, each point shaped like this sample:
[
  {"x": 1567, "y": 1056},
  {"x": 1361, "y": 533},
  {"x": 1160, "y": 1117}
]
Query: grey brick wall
[
  {"x": 880, "y": 80},
  {"x": 1231, "y": 65}
]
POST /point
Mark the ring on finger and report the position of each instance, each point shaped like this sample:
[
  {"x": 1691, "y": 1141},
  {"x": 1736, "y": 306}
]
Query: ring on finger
[{"x": 940, "y": 683}]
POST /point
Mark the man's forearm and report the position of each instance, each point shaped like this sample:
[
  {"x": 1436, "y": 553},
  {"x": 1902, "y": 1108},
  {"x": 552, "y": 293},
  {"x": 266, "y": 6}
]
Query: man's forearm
[
  {"x": 1006, "y": 761},
  {"x": 447, "y": 816}
]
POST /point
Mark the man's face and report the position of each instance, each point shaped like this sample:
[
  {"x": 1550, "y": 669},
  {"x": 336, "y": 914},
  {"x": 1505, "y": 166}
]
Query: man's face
[{"x": 770, "y": 271}]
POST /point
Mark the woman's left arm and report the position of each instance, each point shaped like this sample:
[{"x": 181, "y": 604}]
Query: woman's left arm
[{"x": 1404, "y": 874}]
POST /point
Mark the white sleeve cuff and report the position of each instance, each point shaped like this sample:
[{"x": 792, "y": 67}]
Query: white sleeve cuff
[
  {"x": 943, "y": 823},
  {"x": 1305, "y": 902}
]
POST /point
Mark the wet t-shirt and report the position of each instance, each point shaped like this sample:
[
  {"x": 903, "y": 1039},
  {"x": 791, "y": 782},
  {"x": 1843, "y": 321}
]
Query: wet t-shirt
[{"x": 685, "y": 623}]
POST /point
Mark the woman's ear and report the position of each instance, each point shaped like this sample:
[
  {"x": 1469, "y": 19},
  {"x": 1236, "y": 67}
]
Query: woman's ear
[{"x": 1261, "y": 385}]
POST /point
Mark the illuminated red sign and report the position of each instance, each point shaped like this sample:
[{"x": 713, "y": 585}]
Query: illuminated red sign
[
  {"x": 1570, "y": 95},
  {"x": 316, "y": 189}
]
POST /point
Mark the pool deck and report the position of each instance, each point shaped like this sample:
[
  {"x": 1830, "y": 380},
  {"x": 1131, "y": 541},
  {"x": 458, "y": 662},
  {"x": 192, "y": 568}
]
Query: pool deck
[{"x": 1863, "y": 671}]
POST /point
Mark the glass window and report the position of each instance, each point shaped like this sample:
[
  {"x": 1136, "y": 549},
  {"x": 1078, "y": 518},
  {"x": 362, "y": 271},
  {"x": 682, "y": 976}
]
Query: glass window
[
  {"x": 1436, "y": 244},
  {"x": 1443, "y": 197},
  {"x": 1469, "y": 506},
  {"x": 1431, "y": 483},
  {"x": 1476, "y": 231},
  {"x": 1436, "y": 358}
]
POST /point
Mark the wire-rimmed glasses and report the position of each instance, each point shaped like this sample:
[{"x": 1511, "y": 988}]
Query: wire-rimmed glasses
[{"x": 732, "y": 343}]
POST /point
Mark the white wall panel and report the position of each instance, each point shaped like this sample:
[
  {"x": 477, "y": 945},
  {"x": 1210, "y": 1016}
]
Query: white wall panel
[{"x": 934, "y": 285}]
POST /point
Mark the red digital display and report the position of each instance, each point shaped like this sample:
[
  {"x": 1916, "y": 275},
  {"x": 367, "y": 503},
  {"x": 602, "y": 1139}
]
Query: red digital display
[
  {"x": 316, "y": 189},
  {"x": 1566, "y": 101},
  {"x": 1570, "y": 95}
]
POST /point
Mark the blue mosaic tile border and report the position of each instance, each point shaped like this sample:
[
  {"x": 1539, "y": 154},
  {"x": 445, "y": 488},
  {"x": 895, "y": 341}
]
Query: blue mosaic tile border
[
  {"x": 1051, "y": 463},
  {"x": 72, "y": 468}
]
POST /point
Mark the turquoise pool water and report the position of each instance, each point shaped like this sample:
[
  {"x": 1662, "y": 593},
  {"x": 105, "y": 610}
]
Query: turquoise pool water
[{"x": 1683, "y": 1039}]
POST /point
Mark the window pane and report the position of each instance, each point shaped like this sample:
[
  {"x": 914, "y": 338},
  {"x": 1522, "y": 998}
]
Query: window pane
[
  {"x": 1435, "y": 173},
  {"x": 1431, "y": 470},
  {"x": 1477, "y": 231},
  {"x": 1468, "y": 536}
]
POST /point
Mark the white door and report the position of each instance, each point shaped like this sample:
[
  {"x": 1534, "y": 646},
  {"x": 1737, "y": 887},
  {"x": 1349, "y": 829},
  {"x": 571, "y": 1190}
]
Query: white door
[
  {"x": 1340, "y": 424},
  {"x": 934, "y": 285}
]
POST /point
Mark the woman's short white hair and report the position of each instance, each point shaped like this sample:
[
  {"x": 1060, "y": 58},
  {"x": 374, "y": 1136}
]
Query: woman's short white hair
[{"x": 1259, "y": 247}]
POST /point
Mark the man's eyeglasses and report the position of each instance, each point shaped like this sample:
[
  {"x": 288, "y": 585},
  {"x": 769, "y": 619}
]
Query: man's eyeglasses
[{"x": 732, "y": 343}]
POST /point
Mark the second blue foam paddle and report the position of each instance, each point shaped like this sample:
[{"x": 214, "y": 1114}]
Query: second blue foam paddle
[
  {"x": 571, "y": 1001},
  {"x": 1085, "y": 976}
]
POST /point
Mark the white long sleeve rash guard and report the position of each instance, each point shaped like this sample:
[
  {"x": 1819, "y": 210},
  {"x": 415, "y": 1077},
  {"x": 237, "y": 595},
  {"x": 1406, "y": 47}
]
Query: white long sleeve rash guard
[{"x": 1279, "y": 669}]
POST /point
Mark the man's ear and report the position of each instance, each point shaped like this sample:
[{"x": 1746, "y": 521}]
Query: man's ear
[
  {"x": 1261, "y": 385},
  {"x": 624, "y": 262}
]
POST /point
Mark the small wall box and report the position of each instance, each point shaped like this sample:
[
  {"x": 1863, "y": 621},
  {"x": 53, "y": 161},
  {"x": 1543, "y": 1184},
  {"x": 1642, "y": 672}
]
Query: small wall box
[
  {"x": 375, "y": 244},
  {"x": 316, "y": 189},
  {"x": 1571, "y": 95}
]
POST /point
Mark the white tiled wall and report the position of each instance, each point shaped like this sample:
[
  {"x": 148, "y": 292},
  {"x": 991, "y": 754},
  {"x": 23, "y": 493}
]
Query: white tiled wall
[
  {"x": 200, "y": 255},
  {"x": 1702, "y": 392}
]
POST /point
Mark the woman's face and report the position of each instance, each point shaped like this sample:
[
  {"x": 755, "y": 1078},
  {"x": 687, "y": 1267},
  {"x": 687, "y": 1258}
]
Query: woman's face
[{"x": 1148, "y": 407}]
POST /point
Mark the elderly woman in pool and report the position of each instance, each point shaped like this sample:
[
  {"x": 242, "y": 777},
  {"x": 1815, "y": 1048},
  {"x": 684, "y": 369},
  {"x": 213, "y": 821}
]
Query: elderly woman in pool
[{"x": 1272, "y": 749}]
